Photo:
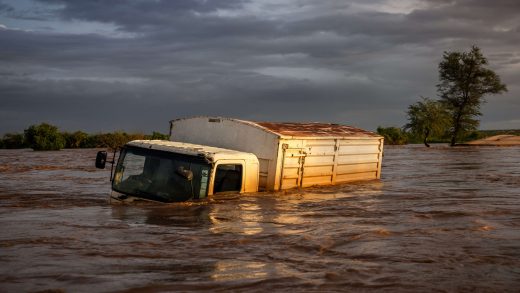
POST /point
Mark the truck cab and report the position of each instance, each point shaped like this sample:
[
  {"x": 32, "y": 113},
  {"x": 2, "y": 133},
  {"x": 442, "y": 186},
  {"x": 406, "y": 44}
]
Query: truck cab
[{"x": 169, "y": 171}]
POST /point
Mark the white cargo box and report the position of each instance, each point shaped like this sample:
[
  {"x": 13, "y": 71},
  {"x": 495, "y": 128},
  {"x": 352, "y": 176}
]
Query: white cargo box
[{"x": 291, "y": 154}]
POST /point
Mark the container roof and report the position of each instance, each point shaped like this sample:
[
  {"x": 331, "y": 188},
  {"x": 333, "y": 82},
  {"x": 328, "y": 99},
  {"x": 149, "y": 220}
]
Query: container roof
[
  {"x": 314, "y": 129},
  {"x": 297, "y": 129}
]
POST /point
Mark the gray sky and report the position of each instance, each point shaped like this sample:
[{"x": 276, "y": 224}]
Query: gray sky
[{"x": 135, "y": 65}]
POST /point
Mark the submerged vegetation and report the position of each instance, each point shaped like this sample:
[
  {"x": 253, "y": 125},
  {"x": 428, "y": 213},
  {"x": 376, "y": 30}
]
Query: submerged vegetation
[{"x": 47, "y": 137}]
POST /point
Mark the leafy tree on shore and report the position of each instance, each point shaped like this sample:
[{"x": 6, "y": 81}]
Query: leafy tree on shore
[
  {"x": 112, "y": 140},
  {"x": 75, "y": 140},
  {"x": 427, "y": 118},
  {"x": 158, "y": 135},
  {"x": 44, "y": 137},
  {"x": 393, "y": 135},
  {"x": 464, "y": 81},
  {"x": 12, "y": 141},
  {"x": 116, "y": 139}
]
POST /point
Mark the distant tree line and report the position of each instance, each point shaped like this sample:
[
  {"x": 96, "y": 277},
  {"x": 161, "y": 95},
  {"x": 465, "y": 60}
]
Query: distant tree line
[
  {"x": 400, "y": 136},
  {"x": 464, "y": 81},
  {"x": 47, "y": 137}
]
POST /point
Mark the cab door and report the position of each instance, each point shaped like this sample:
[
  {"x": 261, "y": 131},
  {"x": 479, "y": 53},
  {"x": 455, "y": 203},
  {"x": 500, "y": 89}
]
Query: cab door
[{"x": 228, "y": 177}]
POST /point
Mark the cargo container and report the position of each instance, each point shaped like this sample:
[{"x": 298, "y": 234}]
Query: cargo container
[{"x": 291, "y": 154}]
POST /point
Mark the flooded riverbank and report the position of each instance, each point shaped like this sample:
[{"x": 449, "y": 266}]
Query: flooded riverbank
[{"x": 441, "y": 219}]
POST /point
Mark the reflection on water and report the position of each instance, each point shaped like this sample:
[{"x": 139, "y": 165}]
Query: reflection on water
[
  {"x": 226, "y": 270},
  {"x": 225, "y": 219},
  {"x": 441, "y": 219}
]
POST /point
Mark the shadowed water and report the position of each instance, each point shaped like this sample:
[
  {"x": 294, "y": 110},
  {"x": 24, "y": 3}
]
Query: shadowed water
[{"x": 441, "y": 219}]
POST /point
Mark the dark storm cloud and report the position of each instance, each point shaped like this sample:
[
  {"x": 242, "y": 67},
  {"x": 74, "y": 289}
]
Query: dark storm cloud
[
  {"x": 443, "y": 19},
  {"x": 139, "y": 15},
  {"x": 111, "y": 104},
  {"x": 327, "y": 60},
  {"x": 32, "y": 13},
  {"x": 5, "y": 8},
  {"x": 494, "y": 11}
]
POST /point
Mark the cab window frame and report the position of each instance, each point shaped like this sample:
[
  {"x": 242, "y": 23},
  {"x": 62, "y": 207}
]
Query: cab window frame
[{"x": 217, "y": 185}]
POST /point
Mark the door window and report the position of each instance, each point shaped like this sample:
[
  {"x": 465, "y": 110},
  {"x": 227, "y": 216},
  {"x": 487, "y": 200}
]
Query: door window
[{"x": 228, "y": 177}]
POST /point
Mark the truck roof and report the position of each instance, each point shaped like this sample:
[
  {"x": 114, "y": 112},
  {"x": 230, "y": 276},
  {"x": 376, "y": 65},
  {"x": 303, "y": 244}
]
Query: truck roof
[{"x": 212, "y": 154}]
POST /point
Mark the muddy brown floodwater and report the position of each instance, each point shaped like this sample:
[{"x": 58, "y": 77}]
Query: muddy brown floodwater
[{"x": 441, "y": 219}]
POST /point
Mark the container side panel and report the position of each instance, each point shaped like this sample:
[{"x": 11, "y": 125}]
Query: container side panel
[
  {"x": 321, "y": 150},
  {"x": 289, "y": 163},
  {"x": 327, "y": 160},
  {"x": 295, "y": 144},
  {"x": 290, "y": 172},
  {"x": 290, "y": 183},
  {"x": 317, "y": 171},
  {"x": 317, "y": 180},
  {"x": 292, "y": 162},
  {"x": 357, "y": 168},
  {"x": 319, "y": 142},
  {"x": 358, "y": 159},
  {"x": 318, "y": 165},
  {"x": 358, "y": 141},
  {"x": 356, "y": 176},
  {"x": 359, "y": 149}
]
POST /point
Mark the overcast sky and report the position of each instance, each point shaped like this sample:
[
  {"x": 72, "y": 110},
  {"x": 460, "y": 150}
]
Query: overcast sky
[{"x": 135, "y": 65}]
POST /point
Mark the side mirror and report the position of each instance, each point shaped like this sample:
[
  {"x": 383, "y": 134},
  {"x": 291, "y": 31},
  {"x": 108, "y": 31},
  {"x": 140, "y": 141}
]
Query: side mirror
[
  {"x": 101, "y": 159},
  {"x": 187, "y": 174}
]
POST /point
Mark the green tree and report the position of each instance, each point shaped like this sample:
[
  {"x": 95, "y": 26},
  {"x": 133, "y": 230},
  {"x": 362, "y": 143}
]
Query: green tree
[
  {"x": 427, "y": 118},
  {"x": 75, "y": 140},
  {"x": 393, "y": 135},
  {"x": 158, "y": 135},
  {"x": 464, "y": 81},
  {"x": 92, "y": 141},
  {"x": 13, "y": 141},
  {"x": 115, "y": 139},
  {"x": 44, "y": 137},
  {"x": 135, "y": 136}
]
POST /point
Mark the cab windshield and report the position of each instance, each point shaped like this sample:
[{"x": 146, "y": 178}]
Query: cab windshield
[{"x": 161, "y": 176}]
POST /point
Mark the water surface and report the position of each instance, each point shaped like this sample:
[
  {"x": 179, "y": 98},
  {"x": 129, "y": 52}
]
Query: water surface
[{"x": 440, "y": 219}]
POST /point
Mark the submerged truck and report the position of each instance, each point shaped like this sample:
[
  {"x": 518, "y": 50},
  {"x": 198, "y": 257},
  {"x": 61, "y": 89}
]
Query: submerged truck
[{"x": 212, "y": 155}]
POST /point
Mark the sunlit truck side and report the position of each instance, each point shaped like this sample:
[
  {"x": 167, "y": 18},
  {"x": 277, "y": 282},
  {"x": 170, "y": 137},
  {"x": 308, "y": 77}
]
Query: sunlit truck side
[{"x": 210, "y": 155}]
